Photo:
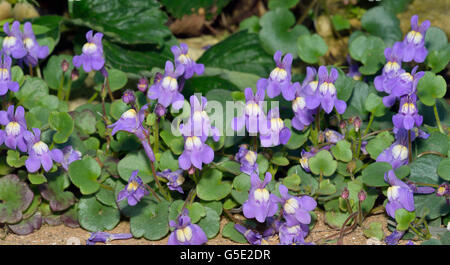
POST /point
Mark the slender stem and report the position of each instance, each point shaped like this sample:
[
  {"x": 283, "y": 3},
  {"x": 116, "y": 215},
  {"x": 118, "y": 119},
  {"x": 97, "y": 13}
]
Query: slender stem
[
  {"x": 431, "y": 153},
  {"x": 341, "y": 233},
  {"x": 69, "y": 86},
  {"x": 349, "y": 207},
  {"x": 306, "y": 12},
  {"x": 358, "y": 150},
  {"x": 156, "y": 136},
  {"x": 360, "y": 213},
  {"x": 376, "y": 132},
  {"x": 152, "y": 191},
  {"x": 31, "y": 69},
  {"x": 160, "y": 187},
  {"x": 438, "y": 121},
  {"x": 111, "y": 97},
  {"x": 416, "y": 231},
  {"x": 370, "y": 124},
  {"x": 60, "y": 88},
  {"x": 194, "y": 176},
  {"x": 93, "y": 97},
  {"x": 255, "y": 144},
  {"x": 38, "y": 71}
]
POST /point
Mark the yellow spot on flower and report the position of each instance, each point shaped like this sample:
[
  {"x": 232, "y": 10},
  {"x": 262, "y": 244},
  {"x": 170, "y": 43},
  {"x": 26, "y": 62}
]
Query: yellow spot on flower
[
  {"x": 12, "y": 128},
  {"x": 261, "y": 195}
]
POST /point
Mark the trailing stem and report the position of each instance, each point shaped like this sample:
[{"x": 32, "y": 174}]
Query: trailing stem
[{"x": 438, "y": 121}]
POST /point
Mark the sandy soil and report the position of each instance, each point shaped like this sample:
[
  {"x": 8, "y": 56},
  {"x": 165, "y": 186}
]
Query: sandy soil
[{"x": 62, "y": 235}]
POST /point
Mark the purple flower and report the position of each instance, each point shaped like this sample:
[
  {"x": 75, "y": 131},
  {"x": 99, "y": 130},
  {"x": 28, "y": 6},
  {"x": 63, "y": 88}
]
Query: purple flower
[
  {"x": 5, "y": 75},
  {"x": 304, "y": 161},
  {"x": 142, "y": 84},
  {"x": 275, "y": 132},
  {"x": 310, "y": 84},
  {"x": 394, "y": 237},
  {"x": 293, "y": 234},
  {"x": 420, "y": 190},
  {"x": 131, "y": 122},
  {"x": 296, "y": 209},
  {"x": 391, "y": 70},
  {"x": 15, "y": 129},
  {"x": 326, "y": 95},
  {"x": 128, "y": 97},
  {"x": 353, "y": 69},
  {"x": 70, "y": 155},
  {"x": 408, "y": 115},
  {"x": 443, "y": 190},
  {"x": 400, "y": 195},
  {"x": 396, "y": 155},
  {"x": 414, "y": 42},
  {"x": 34, "y": 50},
  {"x": 247, "y": 158},
  {"x": 404, "y": 84},
  {"x": 92, "y": 53},
  {"x": 13, "y": 44},
  {"x": 166, "y": 90},
  {"x": 182, "y": 58},
  {"x": 185, "y": 232},
  {"x": 303, "y": 116},
  {"x": 332, "y": 136},
  {"x": 253, "y": 115},
  {"x": 175, "y": 179},
  {"x": 105, "y": 237},
  {"x": 195, "y": 153},
  {"x": 39, "y": 153},
  {"x": 260, "y": 203},
  {"x": 280, "y": 78},
  {"x": 134, "y": 190},
  {"x": 253, "y": 237}
]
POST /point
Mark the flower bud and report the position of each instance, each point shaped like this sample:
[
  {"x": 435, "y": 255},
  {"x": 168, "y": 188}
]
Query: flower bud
[
  {"x": 191, "y": 170},
  {"x": 128, "y": 97},
  {"x": 142, "y": 84},
  {"x": 74, "y": 75},
  {"x": 104, "y": 72},
  {"x": 342, "y": 125},
  {"x": 65, "y": 65},
  {"x": 160, "y": 110},
  {"x": 345, "y": 193},
  {"x": 362, "y": 196},
  {"x": 158, "y": 77},
  {"x": 357, "y": 123},
  {"x": 351, "y": 166},
  {"x": 321, "y": 137}
]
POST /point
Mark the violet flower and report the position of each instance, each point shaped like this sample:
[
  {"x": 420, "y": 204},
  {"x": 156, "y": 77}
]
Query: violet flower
[
  {"x": 353, "y": 69},
  {"x": 326, "y": 96},
  {"x": 414, "y": 42},
  {"x": 92, "y": 53},
  {"x": 175, "y": 179},
  {"x": 195, "y": 153},
  {"x": 275, "y": 133},
  {"x": 247, "y": 158},
  {"x": 70, "y": 155},
  {"x": 408, "y": 115},
  {"x": 396, "y": 155},
  {"x": 400, "y": 195},
  {"x": 185, "y": 232},
  {"x": 260, "y": 203},
  {"x": 310, "y": 84},
  {"x": 13, "y": 44},
  {"x": 166, "y": 91},
  {"x": 16, "y": 126},
  {"x": 280, "y": 78},
  {"x": 134, "y": 190},
  {"x": 34, "y": 50},
  {"x": 393, "y": 238},
  {"x": 420, "y": 190},
  {"x": 296, "y": 209},
  {"x": 294, "y": 234},
  {"x": 332, "y": 136},
  {"x": 5, "y": 75},
  {"x": 254, "y": 237},
  {"x": 39, "y": 153},
  {"x": 305, "y": 156},
  {"x": 404, "y": 84},
  {"x": 443, "y": 190},
  {"x": 303, "y": 116},
  {"x": 131, "y": 122},
  {"x": 105, "y": 237},
  {"x": 142, "y": 84},
  {"x": 253, "y": 115},
  {"x": 182, "y": 58},
  {"x": 391, "y": 70}
]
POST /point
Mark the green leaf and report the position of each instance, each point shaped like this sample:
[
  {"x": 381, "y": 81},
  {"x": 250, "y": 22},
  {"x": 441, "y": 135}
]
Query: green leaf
[
  {"x": 241, "y": 52},
  {"x": 36, "y": 178},
  {"x": 211, "y": 187},
  {"x": 53, "y": 191},
  {"x": 443, "y": 169},
  {"x": 437, "y": 142},
  {"x": 382, "y": 23},
  {"x": 94, "y": 216},
  {"x": 230, "y": 232},
  {"x": 373, "y": 175},
  {"x": 326, "y": 187},
  {"x": 378, "y": 144},
  {"x": 168, "y": 162},
  {"x": 117, "y": 79},
  {"x": 404, "y": 218},
  {"x": 131, "y": 22},
  {"x": 433, "y": 206},
  {"x": 210, "y": 224},
  {"x": 340, "y": 23},
  {"x": 435, "y": 39},
  {"x": 374, "y": 104},
  {"x": 274, "y": 4},
  {"x": 335, "y": 219},
  {"x": 375, "y": 230},
  {"x": 85, "y": 121},
  {"x": 311, "y": 48},
  {"x": 179, "y": 8},
  {"x": 27, "y": 226},
  {"x": 279, "y": 31},
  {"x": 84, "y": 174},
  {"x": 323, "y": 163},
  {"x": 396, "y": 6},
  {"x": 297, "y": 139},
  {"x": 53, "y": 72},
  {"x": 342, "y": 151},
  {"x": 430, "y": 88},
  {"x": 63, "y": 124},
  {"x": 175, "y": 143},
  {"x": 14, "y": 160},
  {"x": 150, "y": 220},
  {"x": 370, "y": 51},
  {"x": 196, "y": 210},
  {"x": 279, "y": 159},
  {"x": 15, "y": 198},
  {"x": 438, "y": 60},
  {"x": 424, "y": 169},
  {"x": 251, "y": 24},
  {"x": 292, "y": 181},
  {"x": 17, "y": 75},
  {"x": 135, "y": 161}
]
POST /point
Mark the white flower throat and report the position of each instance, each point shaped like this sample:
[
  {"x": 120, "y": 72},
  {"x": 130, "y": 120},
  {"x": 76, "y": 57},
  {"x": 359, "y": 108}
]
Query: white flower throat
[
  {"x": 278, "y": 74},
  {"x": 12, "y": 128}
]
